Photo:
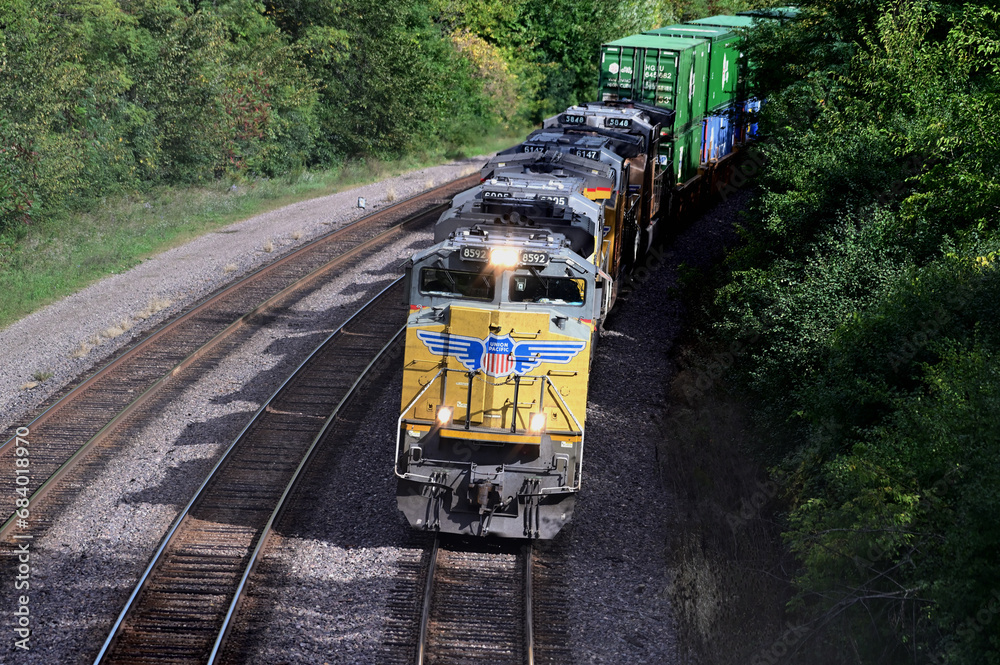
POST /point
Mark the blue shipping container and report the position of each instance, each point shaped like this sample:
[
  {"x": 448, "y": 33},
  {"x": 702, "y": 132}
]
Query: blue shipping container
[{"x": 719, "y": 134}]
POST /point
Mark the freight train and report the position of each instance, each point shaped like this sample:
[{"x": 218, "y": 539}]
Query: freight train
[{"x": 507, "y": 304}]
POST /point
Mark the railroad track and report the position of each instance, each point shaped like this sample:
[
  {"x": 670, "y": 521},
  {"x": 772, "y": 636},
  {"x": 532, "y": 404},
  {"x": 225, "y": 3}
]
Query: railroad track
[
  {"x": 477, "y": 605},
  {"x": 182, "y": 606},
  {"x": 93, "y": 412},
  {"x": 498, "y": 602}
]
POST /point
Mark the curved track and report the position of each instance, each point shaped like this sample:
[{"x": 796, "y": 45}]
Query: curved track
[
  {"x": 91, "y": 412},
  {"x": 179, "y": 611}
]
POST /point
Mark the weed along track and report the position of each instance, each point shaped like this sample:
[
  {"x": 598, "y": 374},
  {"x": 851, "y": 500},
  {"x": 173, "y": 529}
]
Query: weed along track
[{"x": 104, "y": 409}]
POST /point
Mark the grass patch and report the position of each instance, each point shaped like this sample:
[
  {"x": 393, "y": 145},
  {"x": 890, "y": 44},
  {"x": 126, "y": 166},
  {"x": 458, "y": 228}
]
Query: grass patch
[
  {"x": 157, "y": 304},
  {"x": 117, "y": 329},
  {"x": 62, "y": 255},
  {"x": 81, "y": 350}
]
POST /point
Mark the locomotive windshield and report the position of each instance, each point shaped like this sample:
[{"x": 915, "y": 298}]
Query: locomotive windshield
[
  {"x": 562, "y": 290},
  {"x": 457, "y": 283}
]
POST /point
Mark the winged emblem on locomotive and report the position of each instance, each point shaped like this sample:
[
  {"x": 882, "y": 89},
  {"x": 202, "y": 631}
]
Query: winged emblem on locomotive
[{"x": 499, "y": 355}]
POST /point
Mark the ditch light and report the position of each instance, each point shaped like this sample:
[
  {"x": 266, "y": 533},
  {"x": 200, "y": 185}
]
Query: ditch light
[
  {"x": 536, "y": 423},
  {"x": 444, "y": 415}
]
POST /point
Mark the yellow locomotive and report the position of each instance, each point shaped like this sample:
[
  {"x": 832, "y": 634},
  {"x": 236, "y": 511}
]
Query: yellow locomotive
[{"x": 504, "y": 311}]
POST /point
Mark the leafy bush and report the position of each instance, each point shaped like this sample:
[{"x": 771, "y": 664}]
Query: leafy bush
[{"x": 868, "y": 286}]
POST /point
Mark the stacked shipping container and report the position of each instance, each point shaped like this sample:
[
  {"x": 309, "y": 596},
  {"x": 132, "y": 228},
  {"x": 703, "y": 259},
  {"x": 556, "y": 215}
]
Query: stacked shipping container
[
  {"x": 670, "y": 73},
  {"x": 667, "y": 72},
  {"x": 723, "y": 48},
  {"x": 718, "y": 125},
  {"x": 747, "y": 107},
  {"x": 724, "y": 21},
  {"x": 698, "y": 70}
]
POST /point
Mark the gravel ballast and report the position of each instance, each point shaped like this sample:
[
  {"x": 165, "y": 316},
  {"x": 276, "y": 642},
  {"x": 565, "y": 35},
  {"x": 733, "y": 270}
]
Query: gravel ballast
[
  {"x": 620, "y": 570},
  {"x": 324, "y": 583}
]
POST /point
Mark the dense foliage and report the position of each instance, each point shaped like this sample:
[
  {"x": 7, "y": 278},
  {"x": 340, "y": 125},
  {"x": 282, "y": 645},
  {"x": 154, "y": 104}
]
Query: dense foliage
[
  {"x": 866, "y": 298},
  {"x": 105, "y": 97},
  {"x": 99, "y": 97}
]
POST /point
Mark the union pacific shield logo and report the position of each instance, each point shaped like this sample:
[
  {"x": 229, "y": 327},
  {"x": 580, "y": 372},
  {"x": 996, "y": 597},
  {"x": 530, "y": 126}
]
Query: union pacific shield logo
[{"x": 500, "y": 356}]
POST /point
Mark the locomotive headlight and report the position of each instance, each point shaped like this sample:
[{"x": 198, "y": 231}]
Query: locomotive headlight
[
  {"x": 536, "y": 423},
  {"x": 444, "y": 415},
  {"x": 504, "y": 257}
]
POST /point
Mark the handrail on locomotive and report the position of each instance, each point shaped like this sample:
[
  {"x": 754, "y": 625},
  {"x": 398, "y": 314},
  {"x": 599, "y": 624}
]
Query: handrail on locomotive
[{"x": 545, "y": 383}]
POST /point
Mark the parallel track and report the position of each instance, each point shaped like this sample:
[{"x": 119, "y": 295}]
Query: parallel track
[
  {"x": 180, "y": 610},
  {"x": 83, "y": 417}
]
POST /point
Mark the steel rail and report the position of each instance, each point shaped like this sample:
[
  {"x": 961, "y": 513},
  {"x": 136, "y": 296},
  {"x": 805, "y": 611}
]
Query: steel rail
[
  {"x": 130, "y": 603},
  {"x": 425, "y": 614},
  {"x": 279, "y": 509},
  {"x": 428, "y": 598},
  {"x": 529, "y": 620}
]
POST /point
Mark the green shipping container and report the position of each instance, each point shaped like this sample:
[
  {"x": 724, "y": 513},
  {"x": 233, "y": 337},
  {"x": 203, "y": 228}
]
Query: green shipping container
[
  {"x": 667, "y": 72},
  {"x": 683, "y": 151},
  {"x": 724, "y": 59},
  {"x": 725, "y": 21}
]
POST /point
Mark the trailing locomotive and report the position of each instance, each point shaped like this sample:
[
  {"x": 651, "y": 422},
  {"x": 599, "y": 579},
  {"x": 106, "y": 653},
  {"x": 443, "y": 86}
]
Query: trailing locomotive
[{"x": 506, "y": 306}]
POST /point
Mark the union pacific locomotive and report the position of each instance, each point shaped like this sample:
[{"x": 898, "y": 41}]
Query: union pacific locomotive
[{"x": 506, "y": 306}]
